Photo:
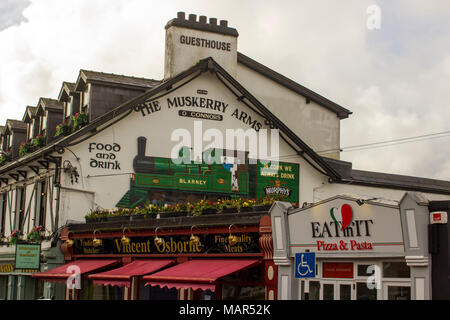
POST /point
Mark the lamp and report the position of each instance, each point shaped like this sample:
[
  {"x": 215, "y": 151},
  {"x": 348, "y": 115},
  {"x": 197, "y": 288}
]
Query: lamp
[
  {"x": 194, "y": 240},
  {"x": 232, "y": 239},
  {"x": 158, "y": 240},
  {"x": 360, "y": 202},
  {"x": 69, "y": 242},
  {"x": 125, "y": 240},
  {"x": 96, "y": 242}
]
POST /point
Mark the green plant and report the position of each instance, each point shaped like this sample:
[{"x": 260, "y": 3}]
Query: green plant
[
  {"x": 35, "y": 234},
  {"x": 98, "y": 213},
  {"x": 62, "y": 129},
  {"x": 180, "y": 207},
  {"x": 243, "y": 203},
  {"x": 14, "y": 237},
  {"x": 6, "y": 156},
  {"x": 38, "y": 141},
  {"x": 25, "y": 147},
  {"x": 79, "y": 120},
  {"x": 149, "y": 208}
]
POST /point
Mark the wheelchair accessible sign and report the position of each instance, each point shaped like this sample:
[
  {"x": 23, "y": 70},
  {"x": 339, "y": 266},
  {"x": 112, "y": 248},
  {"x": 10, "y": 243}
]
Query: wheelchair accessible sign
[{"x": 305, "y": 265}]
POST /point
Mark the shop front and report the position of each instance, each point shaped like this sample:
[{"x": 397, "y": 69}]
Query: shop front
[
  {"x": 187, "y": 258},
  {"x": 364, "y": 250}
]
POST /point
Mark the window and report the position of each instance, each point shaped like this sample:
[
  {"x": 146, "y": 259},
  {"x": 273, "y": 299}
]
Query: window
[
  {"x": 314, "y": 290},
  {"x": 399, "y": 293},
  {"x": 3, "y": 202},
  {"x": 41, "y": 203},
  {"x": 31, "y": 130},
  {"x": 10, "y": 140},
  {"x": 364, "y": 293},
  {"x": 44, "y": 121},
  {"x": 20, "y": 204},
  {"x": 396, "y": 270},
  {"x": 68, "y": 108}
]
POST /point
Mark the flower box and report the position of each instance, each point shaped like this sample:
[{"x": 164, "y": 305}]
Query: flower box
[
  {"x": 264, "y": 207},
  {"x": 209, "y": 211},
  {"x": 79, "y": 120},
  {"x": 173, "y": 214}
]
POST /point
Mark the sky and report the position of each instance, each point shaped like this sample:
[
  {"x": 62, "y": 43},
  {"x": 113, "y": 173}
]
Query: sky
[{"x": 393, "y": 73}]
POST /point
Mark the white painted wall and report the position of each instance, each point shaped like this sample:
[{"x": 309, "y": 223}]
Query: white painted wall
[
  {"x": 314, "y": 124},
  {"x": 364, "y": 192},
  {"x": 108, "y": 185}
]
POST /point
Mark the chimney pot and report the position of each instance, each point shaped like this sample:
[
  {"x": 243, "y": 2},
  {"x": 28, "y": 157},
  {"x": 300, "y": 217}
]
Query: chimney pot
[
  {"x": 213, "y": 21},
  {"x": 181, "y": 15},
  {"x": 202, "y": 19},
  {"x": 193, "y": 17},
  {"x": 223, "y": 23}
]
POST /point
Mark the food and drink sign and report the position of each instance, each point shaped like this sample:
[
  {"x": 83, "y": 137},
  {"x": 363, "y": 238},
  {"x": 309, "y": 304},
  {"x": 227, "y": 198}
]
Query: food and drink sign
[{"x": 173, "y": 244}]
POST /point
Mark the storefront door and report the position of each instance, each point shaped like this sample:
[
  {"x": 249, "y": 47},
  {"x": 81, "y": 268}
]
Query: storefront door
[{"x": 336, "y": 290}]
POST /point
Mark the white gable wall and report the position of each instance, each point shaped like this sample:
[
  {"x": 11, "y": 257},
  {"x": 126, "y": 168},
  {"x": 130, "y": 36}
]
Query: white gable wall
[
  {"x": 104, "y": 187},
  {"x": 314, "y": 124}
]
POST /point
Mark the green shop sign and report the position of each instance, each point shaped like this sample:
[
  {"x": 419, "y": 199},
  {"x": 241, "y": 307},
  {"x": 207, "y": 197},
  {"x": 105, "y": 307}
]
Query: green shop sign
[{"x": 28, "y": 256}]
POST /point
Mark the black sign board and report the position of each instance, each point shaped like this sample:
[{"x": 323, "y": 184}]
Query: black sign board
[{"x": 176, "y": 244}]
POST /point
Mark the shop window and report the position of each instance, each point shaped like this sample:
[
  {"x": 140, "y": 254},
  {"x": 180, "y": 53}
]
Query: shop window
[
  {"x": 399, "y": 293},
  {"x": 328, "y": 291},
  {"x": 362, "y": 270},
  {"x": 244, "y": 285},
  {"x": 314, "y": 290},
  {"x": 156, "y": 292},
  {"x": 3, "y": 287},
  {"x": 207, "y": 295},
  {"x": 107, "y": 293},
  {"x": 364, "y": 293},
  {"x": 39, "y": 288},
  {"x": 233, "y": 292},
  {"x": 396, "y": 270}
]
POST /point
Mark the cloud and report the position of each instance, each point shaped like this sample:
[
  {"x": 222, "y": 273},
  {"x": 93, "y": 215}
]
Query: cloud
[
  {"x": 11, "y": 12},
  {"x": 395, "y": 80}
]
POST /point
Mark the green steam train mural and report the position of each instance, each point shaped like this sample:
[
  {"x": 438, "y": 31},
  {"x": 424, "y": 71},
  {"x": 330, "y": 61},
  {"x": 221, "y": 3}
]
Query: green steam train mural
[{"x": 165, "y": 180}]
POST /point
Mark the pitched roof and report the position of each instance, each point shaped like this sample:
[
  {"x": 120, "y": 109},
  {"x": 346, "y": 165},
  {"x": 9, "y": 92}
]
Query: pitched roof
[
  {"x": 388, "y": 180},
  {"x": 66, "y": 89},
  {"x": 30, "y": 112},
  {"x": 111, "y": 78},
  {"x": 341, "y": 112},
  {"x": 51, "y": 104},
  {"x": 204, "y": 65},
  {"x": 16, "y": 125}
]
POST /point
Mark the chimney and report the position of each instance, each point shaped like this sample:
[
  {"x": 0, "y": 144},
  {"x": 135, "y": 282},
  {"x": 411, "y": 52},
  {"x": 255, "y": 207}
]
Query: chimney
[{"x": 190, "y": 40}]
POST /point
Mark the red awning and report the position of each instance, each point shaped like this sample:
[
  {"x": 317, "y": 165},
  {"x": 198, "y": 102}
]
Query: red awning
[
  {"x": 122, "y": 276},
  {"x": 198, "y": 274},
  {"x": 61, "y": 273}
]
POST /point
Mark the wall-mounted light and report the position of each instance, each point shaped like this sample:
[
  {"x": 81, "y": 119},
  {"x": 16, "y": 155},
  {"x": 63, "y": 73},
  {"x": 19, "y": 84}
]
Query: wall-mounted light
[
  {"x": 96, "y": 242},
  {"x": 125, "y": 240},
  {"x": 232, "y": 239},
  {"x": 360, "y": 202},
  {"x": 158, "y": 241},
  {"x": 69, "y": 242},
  {"x": 194, "y": 240}
]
